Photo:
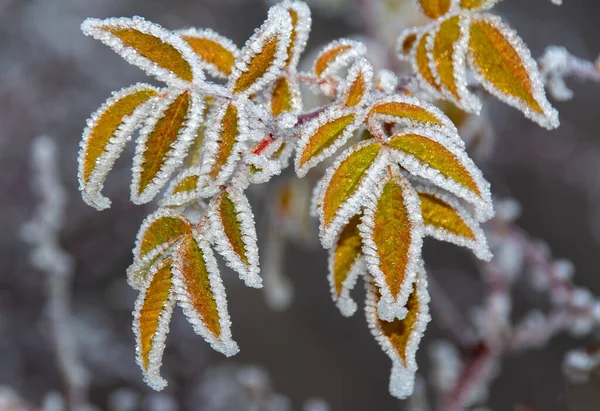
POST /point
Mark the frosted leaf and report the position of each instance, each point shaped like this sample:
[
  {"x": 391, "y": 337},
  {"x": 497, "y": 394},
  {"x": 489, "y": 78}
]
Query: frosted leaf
[
  {"x": 392, "y": 231},
  {"x": 426, "y": 154},
  {"x": 400, "y": 338},
  {"x": 105, "y": 135},
  {"x": 226, "y": 132},
  {"x": 386, "y": 81},
  {"x": 434, "y": 8},
  {"x": 345, "y": 266},
  {"x": 445, "y": 219},
  {"x": 357, "y": 87},
  {"x": 200, "y": 293},
  {"x": 163, "y": 142},
  {"x": 183, "y": 189},
  {"x": 324, "y": 135},
  {"x": 420, "y": 61},
  {"x": 406, "y": 42},
  {"x": 503, "y": 65},
  {"x": 151, "y": 317},
  {"x": 156, "y": 236},
  {"x": 337, "y": 55},
  {"x": 149, "y": 46},
  {"x": 447, "y": 47},
  {"x": 478, "y": 4},
  {"x": 234, "y": 233},
  {"x": 346, "y": 185},
  {"x": 284, "y": 96},
  {"x": 409, "y": 111},
  {"x": 264, "y": 54},
  {"x": 217, "y": 54},
  {"x": 301, "y": 25}
]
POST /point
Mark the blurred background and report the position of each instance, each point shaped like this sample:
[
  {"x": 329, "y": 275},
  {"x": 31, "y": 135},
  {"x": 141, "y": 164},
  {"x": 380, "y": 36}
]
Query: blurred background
[{"x": 52, "y": 78}]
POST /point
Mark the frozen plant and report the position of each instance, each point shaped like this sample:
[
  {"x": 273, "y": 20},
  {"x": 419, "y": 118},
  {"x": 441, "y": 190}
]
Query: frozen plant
[{"x": 403, "y": 174}]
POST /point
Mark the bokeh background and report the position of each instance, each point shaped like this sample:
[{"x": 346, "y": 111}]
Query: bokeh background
[{"x": 52, "y": 78}]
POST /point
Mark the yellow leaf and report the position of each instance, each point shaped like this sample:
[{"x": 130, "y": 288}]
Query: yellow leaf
[
  {"x": 147, "y": 45},
  {"x": 347, "y": 178},
  {"x": 301, "y": 24},
  {"x": 448, "y": 66},
  {"x": 105, "y": 136},
  {"x": 400, "y": 338},
  {"x": 409, "y": 111},
  {"x": 217, "y": 53},
  {"x": 153, "y": 309},
  {"x": 282, "y": 96},
  {"x": 195, "y": 152},
  {"x": 504, "y": 66},
  {"x": 392, "y": 236},
  {"x": 163, "y": 144},
  {"x": 232, "y": 222},
  {"x": 444, "y": 164},
  {"x": 227, "y": 138},
  {"x": 183, "y": 190},
  {"x": 158, "y": 229},
  {"x": 358, "y": 83},
  {"x": 345, "y": 265},
  {"x": 200, "y": 293},
  {"x": 477, "y": 4},
  {"x": 421, "y": 63},
  {"x": 323, "y": 136},
  {"x": 446, "y": 220},
  {"x": 335, "y": 55},
  {"x": 435, "y": 8},
  {"x": 406, "y": 42},
  {"x": 264, "y": 54}
]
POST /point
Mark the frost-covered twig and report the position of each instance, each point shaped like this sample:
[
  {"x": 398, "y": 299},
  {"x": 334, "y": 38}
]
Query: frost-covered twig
[
  {"x": 42, "y": 232},
  {"x": 557, "y": 63}
]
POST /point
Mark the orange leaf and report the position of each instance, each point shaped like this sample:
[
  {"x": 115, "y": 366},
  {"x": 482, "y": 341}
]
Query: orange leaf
[
  {"x": 200, "y": 293},
  {"x": 426, "y": 154},
  {"x": 392, "y": 232},
  {"x": 358, "y": 83},
  {"x": 148, "y": 46},
  {"x": 446, "y": 220},
  {"x": 434, "y": 8},
  {"x": 217, "y": 53},
  {"x": 232, "y": 222},
  {"x": 323, "y": 136},
  {"x": 159, "y": 232},
  {"x": 153, "y": 309},
  {"x": 450, "y": 41},
  {"x": 477, "y": 4},
  {"x": 400, "y": 338},
  {"x": 195, "y": 152},
  {"x": 224, "y": 135},
  {"x": 412, "y": 112},
  {"x": 336, "y": 55},
  {"x": 285, "y": 96},
  {"x": 421, "y": 64},
  {"x": 163, "y": 144},
  {"x": 183, "y": 189},
  {"x": 405, "y": 44},
  {"x": 107, "y": 131},
  {"x": 504, "y": 66},
  {"x": 301, "y": 24},
  {"x": 350, "y": 177},
  {"x": 345, "y": 265},
  {"x": 264, "y": 54}
]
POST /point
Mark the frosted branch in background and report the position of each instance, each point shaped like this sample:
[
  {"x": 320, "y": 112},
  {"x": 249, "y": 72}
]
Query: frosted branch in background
[{"x": 42, "y": 233}]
